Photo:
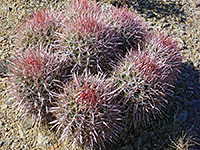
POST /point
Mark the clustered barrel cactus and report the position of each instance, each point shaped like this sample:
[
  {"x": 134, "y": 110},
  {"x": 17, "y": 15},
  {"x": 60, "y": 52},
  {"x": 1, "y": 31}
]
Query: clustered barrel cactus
[{"x": 90, "y": 71}]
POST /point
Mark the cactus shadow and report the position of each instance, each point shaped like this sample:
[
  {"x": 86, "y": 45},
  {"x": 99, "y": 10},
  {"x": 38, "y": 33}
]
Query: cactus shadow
[
  {"x": 152, "y": 8},
  {"x": 158, "y": 9}
]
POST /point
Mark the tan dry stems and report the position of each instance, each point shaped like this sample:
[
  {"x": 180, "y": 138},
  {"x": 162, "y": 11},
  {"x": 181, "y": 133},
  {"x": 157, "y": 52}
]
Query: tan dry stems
[{"x": 183, "y": 143}]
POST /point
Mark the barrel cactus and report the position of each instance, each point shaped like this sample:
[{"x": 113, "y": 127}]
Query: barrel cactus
[
  {"x": 85, "y": 113},
  {"x": 38, "y": 29},
  {"x": 145, "y": 77},
  {"x": 167, "y": 48},
  {"x": 34, "y": 76}
]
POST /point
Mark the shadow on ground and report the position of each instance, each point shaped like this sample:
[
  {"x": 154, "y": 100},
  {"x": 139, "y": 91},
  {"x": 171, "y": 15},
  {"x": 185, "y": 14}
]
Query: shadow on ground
[{"x": 152, "y": 8}]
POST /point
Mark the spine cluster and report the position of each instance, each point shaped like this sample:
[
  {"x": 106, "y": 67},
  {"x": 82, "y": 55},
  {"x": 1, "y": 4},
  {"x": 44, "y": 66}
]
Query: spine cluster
[{"x": 90, "y": 71}]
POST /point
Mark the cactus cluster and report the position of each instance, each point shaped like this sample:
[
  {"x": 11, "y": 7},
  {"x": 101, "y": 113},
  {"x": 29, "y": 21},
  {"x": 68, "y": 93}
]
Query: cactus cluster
[
  {"x": 91, "y": 71},
  {"x": 95, "y": 37}
]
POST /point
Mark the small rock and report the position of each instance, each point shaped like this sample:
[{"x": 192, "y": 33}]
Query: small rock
[
  {"x": 197, "y": 3},
  {"x": 41, "y": 139},
  {"x": 8, "y": 27},
  {"x": 21, "y": 133},
  {"x": 196, "y": 65},
  {"x": 1, "y": 39},
  {"x": 150, "y": 14},
  {"x": 27, "y": 123},
  {"x": 1, "y": 143},
  {"x": 182, "y": 32}
]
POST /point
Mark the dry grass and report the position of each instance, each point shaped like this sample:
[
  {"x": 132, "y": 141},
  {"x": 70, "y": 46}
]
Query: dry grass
[{"x": 184, "y": 142}]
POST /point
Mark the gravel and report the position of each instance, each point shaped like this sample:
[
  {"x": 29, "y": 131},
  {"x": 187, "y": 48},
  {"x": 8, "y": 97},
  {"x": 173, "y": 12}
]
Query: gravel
[{"x": 178, "y": 18}]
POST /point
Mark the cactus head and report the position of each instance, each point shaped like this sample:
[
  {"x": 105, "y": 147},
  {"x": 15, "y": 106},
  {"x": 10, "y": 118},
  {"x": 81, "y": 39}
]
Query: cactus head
[
  {"x": 142, "y": 79},
  {"x": 33, "y": 80},
  {"x": 38, "y": 29},
  {"x": 167, "y": 48},
  {"x": 86, "y": 114}
]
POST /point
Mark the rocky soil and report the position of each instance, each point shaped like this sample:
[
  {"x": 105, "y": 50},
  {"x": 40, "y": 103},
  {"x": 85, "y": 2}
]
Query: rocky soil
[{"x": 180, "y": 119}]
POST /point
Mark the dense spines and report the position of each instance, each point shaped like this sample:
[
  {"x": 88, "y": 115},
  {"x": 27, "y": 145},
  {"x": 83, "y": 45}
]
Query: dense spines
[
  {"x": 142, "y": 80},
  {"x": 86, "y": 113},
  {"x": 55, "y": 51},
  {"x": 96, "y": 37},
  {"x": 33, "y": 82},
  {"x": 38, "y": 29},
  {"x": 131, "y": 29},
  {"x": 167, "y": 49}
]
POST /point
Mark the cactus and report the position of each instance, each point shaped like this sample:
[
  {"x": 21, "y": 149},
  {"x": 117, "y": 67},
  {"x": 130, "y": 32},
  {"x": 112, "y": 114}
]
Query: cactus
[
  {"x": 145, "y": 77},
  {"x": 38, "y": 29},
  {"x": 96, "y": 36},
  {"x": 85, "y": 113},
  {"x": 91, "y": 71},
  {"x": 142, "y": 80},
  {"x": 167, "y": 48},
  {"x": 33, "y": 81}
]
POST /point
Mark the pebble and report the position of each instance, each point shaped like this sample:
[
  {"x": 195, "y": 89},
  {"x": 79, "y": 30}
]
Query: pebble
[
  {"x": 21, "y": 133},
  {"x": 1, "y": 39},
  {"x": 27, "y": 123},
  {"x": 1, "y": 143},
  {"x": 4, "y": 106},
  {"x": 196, "y": 65},
  {"x": 42, "y": 140}
]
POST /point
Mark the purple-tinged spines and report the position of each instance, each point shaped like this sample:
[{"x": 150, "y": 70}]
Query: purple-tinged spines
[
  {"x": 35, "y": 76},
  {"x": 167, "y": 49},
  {"x": 38, "y": 29},
  {"x": 85, "y": 113},
  {"x": 142, "y": 80},
  {"x": 96, "y": 37}
]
